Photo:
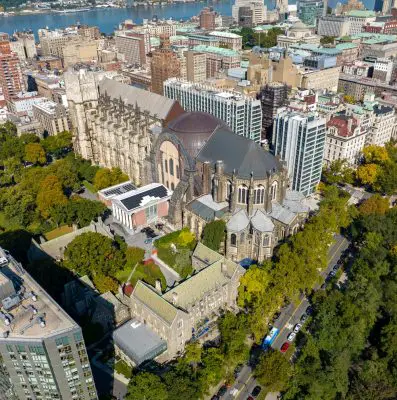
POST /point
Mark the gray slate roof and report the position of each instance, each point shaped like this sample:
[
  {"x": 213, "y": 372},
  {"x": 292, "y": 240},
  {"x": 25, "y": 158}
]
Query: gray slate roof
[
  {"x": 282, "y": 214},
  {"x": 262, "y": 222},
  {"x": 238, "y": 221},
  {"x": 147, "y": 101},
  {"x": 238, "y": 153}
]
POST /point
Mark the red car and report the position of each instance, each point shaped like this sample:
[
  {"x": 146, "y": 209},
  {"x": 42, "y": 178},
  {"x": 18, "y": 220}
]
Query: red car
[{"x": 284, "y": 347}]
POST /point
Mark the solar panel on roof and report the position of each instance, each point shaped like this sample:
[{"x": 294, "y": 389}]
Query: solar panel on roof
[{"x": 135, "y": 200}]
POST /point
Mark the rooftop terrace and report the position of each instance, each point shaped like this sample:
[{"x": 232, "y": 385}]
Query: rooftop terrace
[{"x": 32, "y": 313}]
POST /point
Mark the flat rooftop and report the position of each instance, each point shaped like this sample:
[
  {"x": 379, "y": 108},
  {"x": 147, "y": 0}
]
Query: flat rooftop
[
  {"x": 138, "y": 341},
  {"x": 116, "y": 190},
  {"x": 25, "y": 324}
]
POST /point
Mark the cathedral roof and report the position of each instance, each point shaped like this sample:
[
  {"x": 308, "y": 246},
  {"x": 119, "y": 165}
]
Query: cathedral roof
[
  {"x": 261, "y": 222},
  {"x": 238, "y": 221},
  {"x": 238, "y": 154},
  {"x": 154, "y": 103},
  {"x": 194, "y": 129}
]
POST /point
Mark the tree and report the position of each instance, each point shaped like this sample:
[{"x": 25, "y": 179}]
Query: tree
[
  {"x": 105, "y": 177},
  {"x": 338, "y": 172},
  {"x": 146, "y": 386},
  {"x": 214, "y": 234},
  {"x": 387, "y": 179},
  {"x": 93, "y": 253},
  {"x": 105, "y": 283},
  {"x": 65, "y": 170},
  {"x": 58, "y": 144},
  {"x": 134, "y": 255},
  {"x": 375, "y": 205},
  {"x": 349, "y": 99},
  {"x": 368, "y": 173},
  {"x": 50, "y": 194},
  {"x": 35, "y": 153},
  {"x": 273, "y": 371},
  {"x": 327, "y": 40},
  {"x": 375, "y": 154}
]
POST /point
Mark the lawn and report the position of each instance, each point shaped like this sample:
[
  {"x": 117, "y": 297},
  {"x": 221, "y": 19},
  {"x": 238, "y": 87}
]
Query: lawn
[
  {"x": 123, "y": 368},
  {"x": 62, "y": 230},
  {"x": 175, "y": 250},
  {"x": 148, "y": 273},
  {"x": 123, "y": 274},
  {"x": 89, "y": 186}
]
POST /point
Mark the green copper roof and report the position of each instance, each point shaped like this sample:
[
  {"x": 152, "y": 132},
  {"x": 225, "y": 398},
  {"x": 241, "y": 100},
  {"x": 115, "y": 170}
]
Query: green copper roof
[
  {"x": 216, "y": 50},
  {"x": 345, "y": 46},
  {"x": 361, "y": 13}
]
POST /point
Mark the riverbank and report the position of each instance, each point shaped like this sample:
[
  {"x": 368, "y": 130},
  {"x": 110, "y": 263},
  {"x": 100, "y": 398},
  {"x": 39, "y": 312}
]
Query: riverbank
[{"x": 107, "y": 19}]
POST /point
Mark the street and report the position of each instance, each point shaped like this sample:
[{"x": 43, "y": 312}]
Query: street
[{"x": 289, "y": 316}]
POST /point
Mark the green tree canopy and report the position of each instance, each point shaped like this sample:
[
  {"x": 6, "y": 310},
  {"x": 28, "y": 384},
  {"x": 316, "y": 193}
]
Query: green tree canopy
[
  {"x": 146, "y": 386},
  {"x": 106, "y": 177},
  {"x": 214, "y": 234},
  {"x": 92, "y": 253}
]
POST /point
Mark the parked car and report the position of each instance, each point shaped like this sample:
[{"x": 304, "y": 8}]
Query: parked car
[
  {"x": 291, "y": 336},
  {"x": 336, "y": 267},
  {"x": 237, "y": 370},
  {"x": 222, "y": 391},
  {"x": 332, "y": 274},
  {"x": 215, "y": 397},
  {"x": 303, "y": 318},
  {"x": 297, "y": 328},
  {"x": 284, "y": 347},
  {"x": 255, "y": 392},
  {"x": 250, "y": 398}
]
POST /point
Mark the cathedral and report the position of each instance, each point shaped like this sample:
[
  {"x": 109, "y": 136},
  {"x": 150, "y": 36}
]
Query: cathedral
[{"x": 212, "y": 172}]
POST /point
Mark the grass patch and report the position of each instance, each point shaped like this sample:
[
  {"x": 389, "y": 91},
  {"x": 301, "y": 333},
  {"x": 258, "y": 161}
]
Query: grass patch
[
  {"x": 62, "y": 230},
  {"x": 123, "y": 368},
  {"x": 178, "y": 257},
  {"x": 148, "y": 273},
  {"x": 89, "y": 186},
  {"x": 123, "y": 274}
]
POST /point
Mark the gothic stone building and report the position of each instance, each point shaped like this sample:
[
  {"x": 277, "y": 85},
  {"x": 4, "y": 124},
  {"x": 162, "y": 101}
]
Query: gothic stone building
[
  {"x": 214, "y": 174},
  {"x": 176, "y": 314},
  {"x": 113, "y": 123}
]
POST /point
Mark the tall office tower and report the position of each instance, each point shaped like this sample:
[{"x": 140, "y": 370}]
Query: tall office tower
[
  {"x": 245, "y": 17},
  {"x": 165, "y": 64},
  {"x": 241, "y": 113},
  {"x": 11, "y": 79},
  {"x": 257, "y": 9},
  {"x": 134, "y": 46},
  {"x": 43, "y": 354},
  {"x": 299, "y": 140},
  {"x": 207, "y": 18},
  {"x": 272, "y": 97}
]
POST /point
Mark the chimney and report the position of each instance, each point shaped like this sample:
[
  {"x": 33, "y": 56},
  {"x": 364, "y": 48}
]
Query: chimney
[
  {"x": 174, "y": 297},
  {"x": 158, "y": 286},
  {"x": 223, "y": 267}
]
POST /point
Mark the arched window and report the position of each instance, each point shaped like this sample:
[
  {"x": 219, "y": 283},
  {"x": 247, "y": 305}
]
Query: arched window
[
  {"x": 266, "y": 241},
  {"x": 273, "y": 190},
  {"x": 168, "y": 185},
  {"x": 233, "y": 240},
  {"x": 242, "y": 237},
  {"x": 229, "y": 190},
  {"x": 172, "y": 186},
  {"x": 166, "y": 166},
  {"x": 178, "y": 174},
  {"x": 259, "y": 195},
  {"x": 257, "y": 238},
  {"x": 171, "y": 166},
  {"x": 243, "y": 194}
]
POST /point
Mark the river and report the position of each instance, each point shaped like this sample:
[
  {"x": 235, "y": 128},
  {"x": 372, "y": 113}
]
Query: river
[{"x": 107, "y": 19}]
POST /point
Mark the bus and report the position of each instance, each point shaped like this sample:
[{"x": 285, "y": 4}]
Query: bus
[{"x": 270, "y": 338}]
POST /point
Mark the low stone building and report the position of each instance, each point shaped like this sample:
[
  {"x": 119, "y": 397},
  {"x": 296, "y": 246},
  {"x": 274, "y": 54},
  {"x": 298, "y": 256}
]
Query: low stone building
[{"x": 182, "y": 312}]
